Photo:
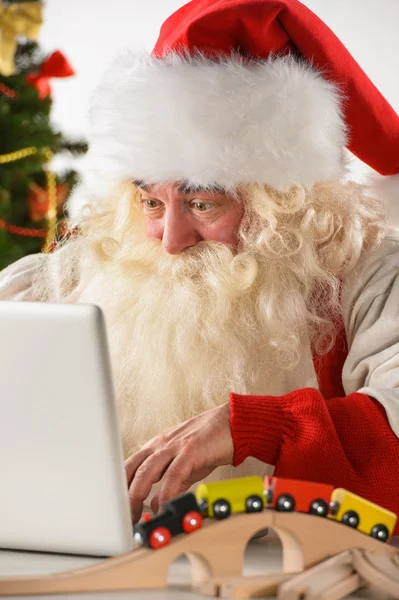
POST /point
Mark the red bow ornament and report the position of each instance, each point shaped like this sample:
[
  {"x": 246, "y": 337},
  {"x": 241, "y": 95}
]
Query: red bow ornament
[{"x": 55, "y": 65}]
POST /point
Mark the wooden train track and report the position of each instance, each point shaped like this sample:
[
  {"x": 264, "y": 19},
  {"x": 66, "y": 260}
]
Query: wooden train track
[{"x": 216, "y": 552}]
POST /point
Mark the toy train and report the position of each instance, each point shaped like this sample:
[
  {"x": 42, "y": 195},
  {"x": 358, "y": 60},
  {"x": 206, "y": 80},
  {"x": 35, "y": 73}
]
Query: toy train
[
  {"x": 219, "y": 499},
  {"x": 179, "y": 515}
]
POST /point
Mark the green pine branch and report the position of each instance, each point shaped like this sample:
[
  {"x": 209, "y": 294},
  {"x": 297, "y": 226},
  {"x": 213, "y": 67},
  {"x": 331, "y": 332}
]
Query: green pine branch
[{"x": 25, "y": 123}]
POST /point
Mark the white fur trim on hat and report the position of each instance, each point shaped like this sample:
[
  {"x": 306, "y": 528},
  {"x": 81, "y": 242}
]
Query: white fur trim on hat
[{"x": 224, "y": 122}]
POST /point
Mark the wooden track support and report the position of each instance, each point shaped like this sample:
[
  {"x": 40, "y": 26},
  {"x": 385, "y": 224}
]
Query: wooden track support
[
  {"x": 378, "y": 570},
  {"x": 255, "y": 586},
  {"x": 331, "y": 579}
]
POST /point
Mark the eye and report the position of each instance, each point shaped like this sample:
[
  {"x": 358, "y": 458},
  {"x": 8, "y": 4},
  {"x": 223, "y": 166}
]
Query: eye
[
  {"x": 202, "y": 206},
  {"x": 151, "y": 203}
]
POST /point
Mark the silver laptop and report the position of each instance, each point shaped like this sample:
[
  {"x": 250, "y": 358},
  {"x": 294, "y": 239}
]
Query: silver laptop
[{"x": 62, "y": 479}]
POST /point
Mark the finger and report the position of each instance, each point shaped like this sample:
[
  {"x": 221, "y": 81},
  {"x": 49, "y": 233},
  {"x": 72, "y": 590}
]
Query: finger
[
  {"x": 176, "y": 478},
  {"x": 148, "y": 473},
  {"x": 156, "y": 503},
  {"x": 134, "y": 461}
]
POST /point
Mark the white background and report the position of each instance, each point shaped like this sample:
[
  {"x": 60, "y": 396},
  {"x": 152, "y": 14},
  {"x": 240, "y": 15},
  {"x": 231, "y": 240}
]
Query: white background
[{"x": 90, "y": 32}]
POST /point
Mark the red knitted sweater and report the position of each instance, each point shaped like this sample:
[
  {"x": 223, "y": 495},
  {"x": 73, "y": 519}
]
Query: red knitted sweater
[{"x": 322, "y": 435}]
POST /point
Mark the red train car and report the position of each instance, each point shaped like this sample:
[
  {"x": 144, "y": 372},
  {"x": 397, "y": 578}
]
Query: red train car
[{"x": 287, "y": 495}]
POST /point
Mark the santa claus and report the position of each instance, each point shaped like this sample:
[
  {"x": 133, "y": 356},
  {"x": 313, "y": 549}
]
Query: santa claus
[{"x": 231, "y": 257}]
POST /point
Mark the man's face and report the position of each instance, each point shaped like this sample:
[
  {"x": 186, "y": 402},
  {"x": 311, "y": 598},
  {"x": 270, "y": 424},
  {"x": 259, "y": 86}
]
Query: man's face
[{"x": 180, "y": 217}]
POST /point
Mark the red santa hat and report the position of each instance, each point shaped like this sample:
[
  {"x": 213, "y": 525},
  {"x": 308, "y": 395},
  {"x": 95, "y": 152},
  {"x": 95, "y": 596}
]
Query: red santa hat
[{"x": 239, "y": 91}]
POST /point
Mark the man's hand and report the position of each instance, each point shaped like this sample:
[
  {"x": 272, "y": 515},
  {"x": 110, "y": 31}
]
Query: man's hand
[{"x": 179, "y": 458}]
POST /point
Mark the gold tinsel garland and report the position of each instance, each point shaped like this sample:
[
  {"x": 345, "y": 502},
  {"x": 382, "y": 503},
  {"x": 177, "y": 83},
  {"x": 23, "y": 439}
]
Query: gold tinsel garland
[
  {"x": 51, "y": 214},
  {"x": 19, "y": 19}
]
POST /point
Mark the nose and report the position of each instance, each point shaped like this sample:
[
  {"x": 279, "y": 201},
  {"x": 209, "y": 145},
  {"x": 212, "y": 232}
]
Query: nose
[{"x": 178, "y": 233}]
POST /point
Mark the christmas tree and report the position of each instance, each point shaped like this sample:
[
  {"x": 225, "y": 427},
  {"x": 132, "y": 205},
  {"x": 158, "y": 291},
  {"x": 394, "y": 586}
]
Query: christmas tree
[{"x": 32, "y": 197}]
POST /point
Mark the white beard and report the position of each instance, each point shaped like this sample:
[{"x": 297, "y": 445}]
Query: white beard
[
  {"x": 186, "y": 330},
  {"x": 183, "y": 333}
]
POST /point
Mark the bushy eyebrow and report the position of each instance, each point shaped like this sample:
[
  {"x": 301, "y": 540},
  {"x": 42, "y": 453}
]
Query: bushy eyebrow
[
  {"x": 141, "y": 185},
  {"x": 185, "y": 187}
]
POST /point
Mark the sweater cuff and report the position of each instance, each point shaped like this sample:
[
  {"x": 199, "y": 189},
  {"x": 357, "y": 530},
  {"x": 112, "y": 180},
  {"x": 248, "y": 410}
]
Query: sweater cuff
[{"x": 258, "y": 425}]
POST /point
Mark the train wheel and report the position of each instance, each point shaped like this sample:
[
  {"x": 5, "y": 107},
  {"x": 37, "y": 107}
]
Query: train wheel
[
  {"x": 254, "y": 504},
  {"x": 203, "y": 506},
  {"x": 334, "y": 507},
  {"x": 380, "y": 532},
  {"x": 159, "y": 538},
  {"x": 191, "y": 521},
  {"x": 285, "y": 503},
  {"x": 221, "y": 509},
  {"x": 319, "y": 507},
  {"x": 351, "y": 519}
]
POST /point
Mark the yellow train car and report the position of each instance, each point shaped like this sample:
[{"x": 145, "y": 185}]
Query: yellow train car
[
  {"x": 221, "y": 498},
  {"x": 362, "y": 514}
]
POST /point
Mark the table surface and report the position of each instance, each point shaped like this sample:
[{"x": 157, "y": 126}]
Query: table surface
[{"x": 262, "y": 556}]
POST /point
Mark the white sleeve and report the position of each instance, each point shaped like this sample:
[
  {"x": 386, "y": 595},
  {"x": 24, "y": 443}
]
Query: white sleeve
[
  {"x": 371, "y": 314},
  {"x": 16, "y": 279}
]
